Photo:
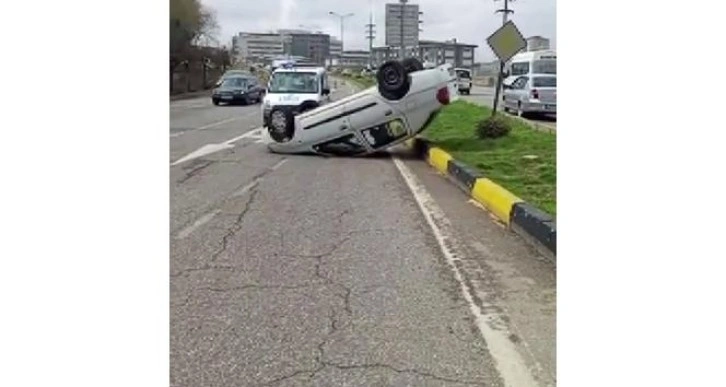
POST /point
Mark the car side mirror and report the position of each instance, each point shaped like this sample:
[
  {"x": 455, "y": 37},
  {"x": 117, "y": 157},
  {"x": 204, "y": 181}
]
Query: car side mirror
[{"x": 326, "y": 91}]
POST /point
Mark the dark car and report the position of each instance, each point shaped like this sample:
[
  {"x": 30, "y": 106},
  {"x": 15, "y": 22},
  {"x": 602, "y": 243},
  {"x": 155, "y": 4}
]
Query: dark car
[
  {"x": 244, "y": 89},
  {"x": 232, "y": 73}
]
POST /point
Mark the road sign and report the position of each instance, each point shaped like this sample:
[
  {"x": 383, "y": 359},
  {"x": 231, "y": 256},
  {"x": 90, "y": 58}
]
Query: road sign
[{"x": 506, "y": 41}]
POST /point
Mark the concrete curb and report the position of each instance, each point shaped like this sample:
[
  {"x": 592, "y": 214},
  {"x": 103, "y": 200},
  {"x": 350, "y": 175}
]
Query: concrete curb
[{"x": 535, "y": 226}]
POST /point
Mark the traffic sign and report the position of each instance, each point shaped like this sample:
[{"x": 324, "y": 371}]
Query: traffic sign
[{"x": 506, "y": 41}]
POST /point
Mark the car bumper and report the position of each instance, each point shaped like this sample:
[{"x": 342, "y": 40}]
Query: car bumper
[
  {"x": 229, "y": 98},
  {"x": 540, "y": 107}
]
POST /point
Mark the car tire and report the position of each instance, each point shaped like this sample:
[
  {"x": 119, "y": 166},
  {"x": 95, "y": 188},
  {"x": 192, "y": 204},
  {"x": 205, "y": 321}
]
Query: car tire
[
  {"x": 215, "y": 101},
  {"x": 393, "y": 80},
  {"x": 412, "y": 65},
  {"x": 281, "y": 125}
]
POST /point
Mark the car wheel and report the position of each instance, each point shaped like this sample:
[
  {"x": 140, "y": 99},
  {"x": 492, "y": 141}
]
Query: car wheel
[
  {"x": 282, "y": 125},
  {"x": 412, "y": 65},
  {"x": 393, "y": 80},
  {"x": 215, "y": 101}
]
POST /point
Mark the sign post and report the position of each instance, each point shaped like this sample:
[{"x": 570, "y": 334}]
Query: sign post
[{"x": 505, "y": 42}]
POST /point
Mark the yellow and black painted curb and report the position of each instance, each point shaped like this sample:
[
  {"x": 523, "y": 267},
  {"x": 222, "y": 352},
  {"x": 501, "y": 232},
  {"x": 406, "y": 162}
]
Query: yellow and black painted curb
[{"x": 534, "y": 225}]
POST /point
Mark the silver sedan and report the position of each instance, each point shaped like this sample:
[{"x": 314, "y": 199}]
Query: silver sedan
[{"x": 531, "y": 94}]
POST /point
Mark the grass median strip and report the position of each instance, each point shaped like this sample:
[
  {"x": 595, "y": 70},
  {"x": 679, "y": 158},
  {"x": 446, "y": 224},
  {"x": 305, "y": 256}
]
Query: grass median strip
[
  {"x": 523, "y": 162},
  {"x": 362, "y": 81}
]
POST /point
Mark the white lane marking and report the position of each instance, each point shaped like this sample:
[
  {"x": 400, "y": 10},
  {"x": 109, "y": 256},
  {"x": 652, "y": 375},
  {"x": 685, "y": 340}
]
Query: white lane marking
[
  {"x": 256, "y": 181},
  {"x": 212, "y": 148},
  {"x": 246, "y": 188},
  {"x": 508, "y": 360},
  {"x": 198, "y": 223},
  {"x": 209, "y": 216},
  {"x": 213, "y": 124}
]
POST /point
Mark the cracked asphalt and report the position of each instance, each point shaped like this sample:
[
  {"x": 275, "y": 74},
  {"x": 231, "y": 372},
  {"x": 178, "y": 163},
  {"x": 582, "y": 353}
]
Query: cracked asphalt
[{"x": 310, "y": 271}]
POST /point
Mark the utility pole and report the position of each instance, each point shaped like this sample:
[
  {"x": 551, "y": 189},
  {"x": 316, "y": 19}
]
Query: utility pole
[
  {"x": 370, "y": 35},
  {"x": 505, "y": 16}
]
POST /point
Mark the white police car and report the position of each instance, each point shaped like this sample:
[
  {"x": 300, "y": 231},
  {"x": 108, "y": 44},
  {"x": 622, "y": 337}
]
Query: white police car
[
  {"x": 294, "y": 90},
  {"x": 403, "y": 104}
]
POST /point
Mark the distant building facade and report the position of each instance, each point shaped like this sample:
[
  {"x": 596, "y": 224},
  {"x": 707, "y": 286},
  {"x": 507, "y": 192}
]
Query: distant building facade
[
  {"x": 535, "y": 43},
  {"x": 315, "y": 47},
  {"x": 257, "y": 45},
  {"x": 408, "y": 14},
  {"x": 336, "y": 48},
  {"x": 431, "y": 52},
  {"x": 354, "y": 58},
  {"x": 252, "y": 45}
]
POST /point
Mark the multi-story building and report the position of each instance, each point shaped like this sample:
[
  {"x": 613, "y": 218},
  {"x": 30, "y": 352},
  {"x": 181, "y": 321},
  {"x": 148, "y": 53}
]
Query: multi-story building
[
  {"x": 257, "y": 45},
  {"x": 535, "y": 43},
  {"x": 354, "y": 58},
  {"x": 431, "y": 52},
  {"x": 408, "y": 14},
  {"x": 336, "y": 48},
  {"x": 314, "y": 46}
]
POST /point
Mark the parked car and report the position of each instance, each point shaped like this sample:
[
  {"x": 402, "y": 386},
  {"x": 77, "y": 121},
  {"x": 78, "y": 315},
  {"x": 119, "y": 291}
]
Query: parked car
[
  {"x": 405, "y": 101},
  {"x": 463, "y": 80},
  {"x": 245, "y": 89},
  {"x": 531, "y": 94}
]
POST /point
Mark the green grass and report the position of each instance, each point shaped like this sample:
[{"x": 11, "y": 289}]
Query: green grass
[
  {"x": 362, "y": 81},
  {"x": 501, "y": 159}
]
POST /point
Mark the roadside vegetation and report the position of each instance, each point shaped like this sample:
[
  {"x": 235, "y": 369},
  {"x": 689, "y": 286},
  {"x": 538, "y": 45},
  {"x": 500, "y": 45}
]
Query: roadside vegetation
[
  {"x": 505, "y": 149},
  {"x": 355, "y": 77}
]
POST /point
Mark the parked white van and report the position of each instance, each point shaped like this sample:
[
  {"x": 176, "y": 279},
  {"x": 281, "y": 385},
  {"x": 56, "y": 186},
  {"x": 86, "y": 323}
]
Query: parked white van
[{"x": 530, "y": 63}]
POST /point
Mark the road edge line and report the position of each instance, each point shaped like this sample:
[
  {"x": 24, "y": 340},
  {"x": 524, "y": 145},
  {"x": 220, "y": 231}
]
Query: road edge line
[{"x": 508, "y": 361}]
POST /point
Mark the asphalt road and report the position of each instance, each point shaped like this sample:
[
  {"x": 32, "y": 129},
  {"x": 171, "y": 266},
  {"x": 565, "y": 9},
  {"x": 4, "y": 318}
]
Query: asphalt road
[
  {"x": 311, "y": 271},
  {"x": 485, "y": 96}
]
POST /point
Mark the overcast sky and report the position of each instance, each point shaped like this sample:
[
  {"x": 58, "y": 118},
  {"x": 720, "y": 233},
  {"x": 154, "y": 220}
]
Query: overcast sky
[{"x": 470, "y": 21}]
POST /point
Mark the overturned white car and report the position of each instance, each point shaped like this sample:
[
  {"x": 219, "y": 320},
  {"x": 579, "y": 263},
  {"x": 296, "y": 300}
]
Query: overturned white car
[{"x": 403, "y": 104}]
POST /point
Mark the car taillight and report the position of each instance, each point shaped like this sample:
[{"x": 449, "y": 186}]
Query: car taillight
[
  {"x": 535, "y": 94},
  {"x": 443, "y": 96}
]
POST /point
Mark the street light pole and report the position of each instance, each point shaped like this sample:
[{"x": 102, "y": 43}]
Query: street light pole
[{"x": 342, "y": 19}]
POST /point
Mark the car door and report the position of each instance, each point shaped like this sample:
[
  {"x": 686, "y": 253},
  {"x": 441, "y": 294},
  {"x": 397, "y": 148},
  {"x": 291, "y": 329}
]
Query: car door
[
  {"x": 324, "y": 123},
  {"x": 509, "y": 94},
  {"x": 516, "y": 92}
]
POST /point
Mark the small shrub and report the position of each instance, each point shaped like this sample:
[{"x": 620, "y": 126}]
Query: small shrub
[{"x": 493, "y": 127}]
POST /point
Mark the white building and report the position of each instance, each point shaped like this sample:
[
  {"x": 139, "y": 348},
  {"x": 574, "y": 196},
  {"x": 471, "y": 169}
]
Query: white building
[
  {"x": 410, "y": 15},
  {"x": 336, "y": 47},
  {"x": 535, "y": 43},
  {"x": 250, "y": 44}
]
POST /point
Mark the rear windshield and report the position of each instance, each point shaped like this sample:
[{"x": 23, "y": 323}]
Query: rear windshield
[
  {"x": 463, "y": 74},
  {"x": 545, "y": 82}
]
